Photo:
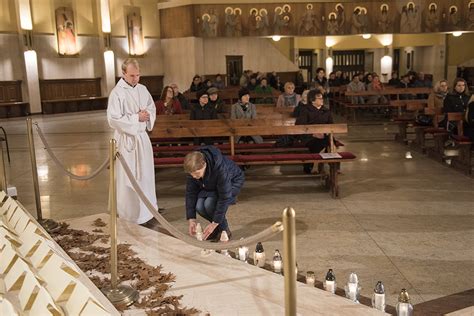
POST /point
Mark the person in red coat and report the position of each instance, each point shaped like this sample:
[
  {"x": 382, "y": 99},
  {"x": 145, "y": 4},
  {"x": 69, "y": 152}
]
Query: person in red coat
[{"x": 168, "y": 105}]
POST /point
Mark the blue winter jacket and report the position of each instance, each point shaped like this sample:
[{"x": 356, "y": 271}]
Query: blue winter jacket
[{"x": 222, "y": 178}]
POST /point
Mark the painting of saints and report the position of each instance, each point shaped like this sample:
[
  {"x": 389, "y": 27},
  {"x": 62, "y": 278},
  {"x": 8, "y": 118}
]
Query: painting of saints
[
  {"x": 229, "y": 22},
  {"x": 470, "y": 17},
  {"x": 308, "y": 22},
  {"x": 135, "y": 34},
  {"x": 213, "y": 23},
  {"x": 278, "y": 21},
  {"x": 340, "y": 17},
  {"x": 263, "y": 25},
  {"x": 238, "y": 22},
  {"x": 252, "y": 22},
  {"x": 356, "y": 24},
  {"x": 332, "y": 25},
  {"x": 287, "y": 17},
  {"x": 414, "y": 17},
  {"x": 432, "y": 18},
  {"x": 66, "y": 31},
  {"x": 384, "y": 22},
  {"x": 453, "y": 18},
  {"x": 206, "y": 28}
]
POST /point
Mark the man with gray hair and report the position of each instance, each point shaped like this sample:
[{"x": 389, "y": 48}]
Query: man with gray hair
[{"x": 131, "y": 112}]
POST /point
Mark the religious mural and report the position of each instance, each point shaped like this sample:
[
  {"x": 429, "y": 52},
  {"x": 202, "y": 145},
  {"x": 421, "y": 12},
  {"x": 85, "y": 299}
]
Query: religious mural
[
  {"x": 358, "y": 17},
  {"x": 66, "y": 32},
  {"x": 135, "y": 34}
]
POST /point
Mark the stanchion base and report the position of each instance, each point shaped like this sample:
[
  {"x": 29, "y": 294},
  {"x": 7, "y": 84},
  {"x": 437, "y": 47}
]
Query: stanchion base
[
  {"x": 50, "y": 225},
  {"x": 122, "y": 295}
]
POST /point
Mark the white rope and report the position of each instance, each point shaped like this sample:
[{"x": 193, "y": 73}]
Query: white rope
[
  {"x": 261, "y": 236},
  {"x": 61, "y": 166}
]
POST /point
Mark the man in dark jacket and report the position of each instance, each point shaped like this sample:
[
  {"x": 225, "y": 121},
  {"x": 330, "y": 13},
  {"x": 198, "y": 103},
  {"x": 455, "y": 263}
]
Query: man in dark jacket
[
  {"x": 213, "y": 183},
  {"x": 315, "y": 114},
  {"x": 180, "y": 97}
]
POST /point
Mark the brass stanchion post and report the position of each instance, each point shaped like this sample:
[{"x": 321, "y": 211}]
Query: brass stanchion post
[
  {"x": 289, "y": 260},
  {"x": 48, "y": 224},
  {"x": 117, "y": 294},
  {"x": 3, "y": 173}
]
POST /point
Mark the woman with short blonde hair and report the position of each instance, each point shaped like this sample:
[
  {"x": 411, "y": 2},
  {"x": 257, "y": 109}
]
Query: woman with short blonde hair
[{"x": 289, "y": 97}]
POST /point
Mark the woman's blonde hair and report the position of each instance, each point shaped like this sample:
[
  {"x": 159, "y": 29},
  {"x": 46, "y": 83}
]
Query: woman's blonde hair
[
  {"x": 194, "y": 161},
  {"x": 438, "y": 84}
]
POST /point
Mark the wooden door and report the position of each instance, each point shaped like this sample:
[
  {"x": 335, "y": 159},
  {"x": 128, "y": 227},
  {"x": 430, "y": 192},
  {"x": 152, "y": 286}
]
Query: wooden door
[{"x": 234, "y": 65}]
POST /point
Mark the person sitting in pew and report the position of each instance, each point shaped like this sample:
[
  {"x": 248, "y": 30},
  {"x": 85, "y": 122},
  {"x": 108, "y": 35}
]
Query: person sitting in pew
[
  {"x": 436, "y": 98},
  {"x": 263, "y": 88},
  {"x": 356, "y": 86},
  {"x": 180, "y": 97},
  {"x": 214, "y": 100},
  {"x": 289, "y": 97},
  {"x": 197, "y": 84},
  {"x": 219, "y": 83},
  {"x": 243, "y": 109},
  {"x": 302, "y": 105},
  {"x": 405, "y": 84},
  {"x": 203, "y": 111},
  {"x": 315, "y": 114},
  {"x": 168, "y": 105},
  {"x": 377, "y": 87},
  {"x": 212, "y": 185},
  {"x": 469, "y": 122},
  {"x": 455, "y": 102}
]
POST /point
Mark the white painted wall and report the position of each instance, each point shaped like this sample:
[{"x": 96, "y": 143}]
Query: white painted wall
[
  {"x": 150, "y": 64},
  {"x": 258, "y": 54},
  {"x": 11, "y": 58}
]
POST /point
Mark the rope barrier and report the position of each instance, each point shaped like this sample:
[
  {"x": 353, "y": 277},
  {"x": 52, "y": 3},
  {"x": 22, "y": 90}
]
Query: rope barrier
[
  {"x": 104, "y": 165},
  {"x": 261, "y": 236}
]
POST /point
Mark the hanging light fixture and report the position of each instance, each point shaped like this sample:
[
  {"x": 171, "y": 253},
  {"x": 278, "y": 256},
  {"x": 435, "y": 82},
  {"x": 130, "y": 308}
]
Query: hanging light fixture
[
  {"x": 276, "y": 38},
  {"x": 366, "y": 36},
  {"x": 277, "y": 261},
  {"x": 259, "y": 255},
  {"x": 404, "y": 307},
  {"x": 378, "y": 298},
  {"x": 330, "y": 282},
  {"x": 352, "y": 288},
  {"x": 457, "y": 33}
]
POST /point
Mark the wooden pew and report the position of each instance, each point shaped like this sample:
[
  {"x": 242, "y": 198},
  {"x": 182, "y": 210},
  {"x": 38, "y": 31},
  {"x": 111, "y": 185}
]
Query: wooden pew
[
  {"x": 267, "y": 159},
  {"x": 408, "y": 119},
  {"x": 11, "y": 99},
  {"x": 349, "y": 108}
]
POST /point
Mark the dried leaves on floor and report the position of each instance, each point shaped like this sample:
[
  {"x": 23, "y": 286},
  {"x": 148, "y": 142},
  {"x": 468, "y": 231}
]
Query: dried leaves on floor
[{"x": 91, "y": 252}]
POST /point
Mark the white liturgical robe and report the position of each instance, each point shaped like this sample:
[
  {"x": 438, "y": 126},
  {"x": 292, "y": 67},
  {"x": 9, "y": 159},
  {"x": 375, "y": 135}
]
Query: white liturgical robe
[{"x": 135, "y": 147}]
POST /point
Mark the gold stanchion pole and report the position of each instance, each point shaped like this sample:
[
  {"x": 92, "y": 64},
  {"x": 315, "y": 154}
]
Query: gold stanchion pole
[
  {"x": 117, "y": 294},
  {"x": 48, "y": 224},
  {"x": 3, "y": 173},
  {"x": 289, "y": 260}
]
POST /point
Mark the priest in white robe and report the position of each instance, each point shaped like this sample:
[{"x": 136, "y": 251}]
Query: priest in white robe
[{"x": 131, "y": 112}]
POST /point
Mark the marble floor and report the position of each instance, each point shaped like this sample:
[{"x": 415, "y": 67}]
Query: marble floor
[{"x": 406, "y": 222}]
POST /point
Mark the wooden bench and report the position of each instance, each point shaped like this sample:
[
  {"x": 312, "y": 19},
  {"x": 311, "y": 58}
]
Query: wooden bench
[
  {"x": 408, "y": 119},
  {"x": 11, "y": 99},
  {"x": 261, "y": 159},
  {"x": 349, "y": 109},
  {"x": 71, "y": 95}
]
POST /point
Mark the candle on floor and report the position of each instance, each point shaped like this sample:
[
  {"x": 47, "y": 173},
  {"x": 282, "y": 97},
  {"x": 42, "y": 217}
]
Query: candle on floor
[
  {"x": 277, "y": 261},
  {"x": 404, "y": 308},
  {"x": 243, "y": 252},
  {"x": 259, "y": 255},
  {"x": 330, "y": 282},
  {"x": 310, "y": 278},
  {"x": 378, "y": 298},
  {"x": 224, "y": 238},
  {"x": 352, "y": 288},
  {"x": 198, "y": 232}
]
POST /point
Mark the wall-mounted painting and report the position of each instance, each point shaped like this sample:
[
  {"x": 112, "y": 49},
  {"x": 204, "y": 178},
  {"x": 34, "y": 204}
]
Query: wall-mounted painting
[
  {"x": 66, "y": 32},
  {"x": 135, "y": 34}
]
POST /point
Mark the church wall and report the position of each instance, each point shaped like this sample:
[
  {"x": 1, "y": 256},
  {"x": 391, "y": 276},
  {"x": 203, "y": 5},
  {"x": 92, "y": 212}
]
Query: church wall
[
  {"x": 148, "y": 11},
  {"x": 11, "y": 61},
  {"x": 8, "y": 20}
]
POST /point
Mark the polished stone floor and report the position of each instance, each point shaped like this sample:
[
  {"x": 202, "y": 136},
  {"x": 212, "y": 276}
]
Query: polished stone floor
[{"x": 406, "y": 222}]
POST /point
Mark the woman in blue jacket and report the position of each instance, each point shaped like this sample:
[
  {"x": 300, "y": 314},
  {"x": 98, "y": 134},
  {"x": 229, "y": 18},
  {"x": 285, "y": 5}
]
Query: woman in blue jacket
[{"x": 213, "y": 183}]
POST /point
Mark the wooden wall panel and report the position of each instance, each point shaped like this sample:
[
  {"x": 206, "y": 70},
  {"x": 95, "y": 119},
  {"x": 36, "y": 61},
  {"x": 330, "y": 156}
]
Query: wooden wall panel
[
  {"x": 59, "y": 89},
  {"x": 10, "y": 91},
  {"x": 177, "y": 22}
]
